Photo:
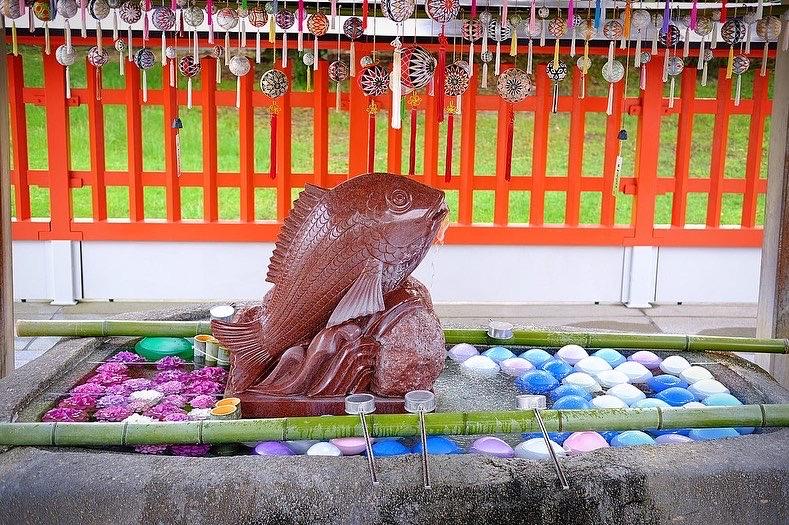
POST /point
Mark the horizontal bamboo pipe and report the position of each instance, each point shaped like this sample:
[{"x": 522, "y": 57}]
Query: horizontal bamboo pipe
[
  {"x": 387, "y": 425},
  {"x": 539, "y": 338}
]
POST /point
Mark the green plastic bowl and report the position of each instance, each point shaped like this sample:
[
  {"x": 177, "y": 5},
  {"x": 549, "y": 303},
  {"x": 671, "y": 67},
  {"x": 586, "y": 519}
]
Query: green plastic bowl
[{"x": 155, "y": 348}]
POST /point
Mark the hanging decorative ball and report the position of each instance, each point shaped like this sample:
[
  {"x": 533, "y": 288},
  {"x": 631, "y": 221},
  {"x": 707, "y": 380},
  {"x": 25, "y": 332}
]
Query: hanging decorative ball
[
  {"x": 543, "y": 12},
  {"x": 486, "y": 56},
  {"x": 120, "y": 46},
  {"x": 65, "y": 55},
  {"x": 285, "y": 19},
  {"x": 373, "y": 80},
  {"x": 485, "y": 17},
  {"x": 703, "y": 26},
  {"x": 577, "y": 21},
  {"x": 352, "y": 27},
  {"x": 613, "y": 30},
  {"x": 227, "y": 18},
  {"x": 257, "y": 16},
  {"x": 497, "y": 32},
  {"x": 639, "y": 19},
  {"x": 516, "y": 20},
  {"x": 318, "y": 24},
  {"x": 12, "y": 9},
  {"x": 671, "y": 37},
  {"x": 98, "y": 9},
  {"x": 456, "y": 80},
  {"x": 163, "y": 18},
  {"x": 218, "y": 52},
  {"x": 243, "y": 12},
  {"x": 749, "y": 17},
  {"x": 66, "y": 8},
  {"x": 338, "y": 71},
  {"x": 42, "y": 11},
  {"x": 417, "y": 66},
  {"x": 675, "y": 65},
  {"x": 734, "y": 31},
  {"x": 130, "y": 12},
  {"x": 769, "y": 28},
  {"x": 471, "y": 30},
  {"x": 398, "y": 10},
  {"x": 556, "y": 74},
  {"x": 274, "y": 83},
  {"x": 308, "y": 58},
  {"x": 442, "y": 11},
  {"x": 613, "y": 71},
  {"x": 557, "y": 27},
  {"x": 587, "y": 29},
  {"x": 170, "y": 52},
  {"x": 657, "y": 20},
  {"x": 740, "y": 64},
  {"x": 366, "y": 60},
  {"x": 182, "y": 3},
  {"x": 188, "y": 66},
  {"x": 514, "y": 85},
  {"x": 194, "y": 16},
  {"x": 271, "y": 8},
  {"x": 144, "y": 58},
  {"x": 646, "y": 56},
  {"x": 716, "y": 15},
  {"x": 98, "y": 57},
  {"x": 584, "y": 63},
  {"x": 239, "y": 65}
]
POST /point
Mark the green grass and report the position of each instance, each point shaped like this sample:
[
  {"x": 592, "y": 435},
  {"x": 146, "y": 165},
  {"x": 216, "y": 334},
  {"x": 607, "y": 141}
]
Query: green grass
[{"x": 302, "y": 147}]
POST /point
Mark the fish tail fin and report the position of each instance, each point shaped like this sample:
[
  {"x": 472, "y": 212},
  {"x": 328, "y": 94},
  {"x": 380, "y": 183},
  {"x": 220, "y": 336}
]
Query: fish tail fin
[{"x": 251, "y": 359}]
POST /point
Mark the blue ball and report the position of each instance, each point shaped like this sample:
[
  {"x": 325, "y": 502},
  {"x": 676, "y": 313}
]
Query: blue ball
[
  {"x": 664, "y": 381},
  {"x": 498, "y": 353},
  {"x": 721, "y": 400},
  {"x": 390, "y": 448},
  {"x": 536, "y": 382},
  {"x": 709, "y": 434},
  {"x": 569, "y": 390},
  {"x": 608, "y": 435},
  {"x": 571, "y": 403},
  {"x": 558, "y": 437},
  {"x": 655, "y": 432},
  {"x": 536, "y": 356},
  {"x": 558, "y": 369},
  {"x": 438, "y": 445},
  {"x": 676, "y": 396},
  {"x": 610, "y": 356},
  {"x": 630, "y": 438}
]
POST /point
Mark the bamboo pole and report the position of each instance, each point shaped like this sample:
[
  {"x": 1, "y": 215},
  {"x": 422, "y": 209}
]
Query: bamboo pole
[
  {"x": 387, "y": 425},
  {"x": 6, "y": 274},
  {"x": 539, "y": 338}
]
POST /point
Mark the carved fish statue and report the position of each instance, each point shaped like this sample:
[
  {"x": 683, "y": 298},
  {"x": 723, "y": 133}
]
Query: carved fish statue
[{"x": 338, "y": 254}]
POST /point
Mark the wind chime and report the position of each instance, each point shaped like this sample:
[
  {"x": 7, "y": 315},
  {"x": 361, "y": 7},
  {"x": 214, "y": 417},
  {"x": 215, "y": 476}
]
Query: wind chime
[
  {"x": 613, "y": 71},
  {"x": 739, "y": 67},
  {"x": 144, "y": 59},
  {"x": 66, "y": 57},
  {"x": 669, "y": 38},
  {"x": 513, "y": 86},
  {"x": 556, "y": 75},
  {"x": 441, "y": 12},
  {"x": 318, "y": 25},
  {"x": 130, "y": 13},
  {"x": 733, "y": 33},
  {"x": 373, "y": 80},
  {"x": 99, "y": 10},
  {"x": 257, "y": 18},
  {"x": 42, "y": 11},
  {"x": 273, "y": 84},
  {"x": 163, "y": 19},
  {"x": 417, "y": 67},
  {"x": 533, "y": 30},
  {"x": 239, "y": 66},
  {"x": 98, "y": 57},
  {"x": 471, "y": 31},
  {"x": 456, "y": 81},
  {"x": 768, "y": 29},
  {"x": 285, "y": 20},
  {"x": 13, "y": 10},
  {"x": 227, "y": 19},
  {"x": 703, "y": 28},
  {"x": 120, "y": 47},
  {"x": 639, "y": 22},
  {"x": 515, "y": 24},
  {"x": 352, "y": 29},
  {"x": 193, "y": 17},
  {"x": 499, "y": 33},
  {"x": 674, "y": 68},
  {"x": 339, "y": 73},
  {"x": 557, "y": 28}
]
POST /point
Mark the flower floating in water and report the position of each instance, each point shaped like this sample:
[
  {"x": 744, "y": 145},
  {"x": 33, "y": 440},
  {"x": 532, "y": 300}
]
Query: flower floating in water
[
  {"x": 137, "y": 418},
  {"x": 190, "y": 450},
  {"x": 151, "y": 449},
  {"x": 166, "y": 376},
  {"x": 108, "y": 379},
  {"x": 203, "y": 386},
  {"x": 118, "y": 390},
  {"x": 138, "y": 405},
  {"x": 69, "y": 415},
  {"x": 126, "y": 357},
  {"x": 78, "y": 401},
  {"x": 162, "y": 410},
  {"x": 113, "y": 368},
  {"x": 203, "y": 401},
  {"x": 148, "y": 396},
  {"x": 113, "y": 413},
  {"x": 170, "y": 387},
  {"x": 89, "y": 389},
  {"x": 138, "y": 384},
  {"x": 198, "y": 414},
  {"x": 175, "y": 400},
  {"x": 211, "y": 373},
  {"x": 170, "y": 362},
  {"x": 176, "y": 416},
  {"x": 111, "y": 401}
]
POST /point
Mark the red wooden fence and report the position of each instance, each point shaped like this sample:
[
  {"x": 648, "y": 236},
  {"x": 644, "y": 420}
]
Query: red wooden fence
[{"x": 649, "y": 108}]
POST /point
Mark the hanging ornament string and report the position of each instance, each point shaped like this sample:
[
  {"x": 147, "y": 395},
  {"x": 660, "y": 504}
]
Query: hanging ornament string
[
  {"x": 365, "y": 12},
  {"x": 456, "y": 81},
  {"x": 413, "y": 103},
  {"x": 177, "y": 125},
  {"x": 397, "y": 95},
  {"x": 440, "y": 73},
  {"x": 273, "y": 84},
  {"x": 513, "y": 86},
  {"x": 723, "y": 12},
  {"x": 694, "y": 14}
]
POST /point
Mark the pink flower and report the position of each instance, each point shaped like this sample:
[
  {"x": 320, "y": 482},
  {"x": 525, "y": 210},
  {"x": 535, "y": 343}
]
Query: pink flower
[
  {"x": 112, "y": 413},
  {"x": 150, "y": 449},
  {"x": 113, "y": 369},
  {"x": 161, "y": 410},
  {"x": 211, "y": 373},
  {"x": 171, "y": 362},
  {"x": 171, "y": 375},
  {"x": 112, "y": 400},
  {"x": 126, "y": 357},
  {"x": 137, "y": 405},
  {"x": 69, "y": 415},
  {"x": 202, "y": 386},
  {"x": 190, "y": 450},
  {"x": 203, "y": 401},
  {"x": 108, "y": 379},
  {"x": 170, "y": 387},
  {"x": 89, "y": 389},
  {"x": 118, "y": 390},
  {"x": 78, "y": 401},
  {"x": 137, "y": 384},
  {"x": 176, "y": 416}
]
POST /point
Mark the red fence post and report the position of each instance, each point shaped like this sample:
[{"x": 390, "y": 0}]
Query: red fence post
[
  {"x": 575, "y": 153},
  {"x": 501, "y": 207},
  {"x": 246, "y": 149},
  {"x": 684, "y": 144},
  {"x": 16, "y": 85},
  {"x": 612, "y": 144},
  {"x": 539, "y": 163},
  {"x": 720, "y": 139},
  {"x": 468, "y": 146},
  {"x": 320, "y": 124},
  {"x": 134, "y": 143},
  {"x": 172, "y": 187},
  {"x": 284, "y": 132},
  {"x": 358, "y": 117},
  {"x": 753, "y": 163},
  {"x": 96, "y": 133},
  {"x": 430, "y": 159},
  {"x": 208, "y": 100}
]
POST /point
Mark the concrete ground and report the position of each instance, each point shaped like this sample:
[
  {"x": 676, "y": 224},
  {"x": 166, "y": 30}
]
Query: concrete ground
[{"x": 711, "y": 319}]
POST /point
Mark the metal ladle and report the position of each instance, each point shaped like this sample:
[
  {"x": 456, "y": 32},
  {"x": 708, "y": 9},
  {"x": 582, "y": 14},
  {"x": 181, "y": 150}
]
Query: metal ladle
[
  {"x": 419, "y": 402},
  {"x": 364, "y": 404},
  {"x": 537, "y": 403}
]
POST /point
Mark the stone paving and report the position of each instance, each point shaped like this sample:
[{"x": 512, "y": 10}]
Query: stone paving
[{"x": 711, "y": 319}]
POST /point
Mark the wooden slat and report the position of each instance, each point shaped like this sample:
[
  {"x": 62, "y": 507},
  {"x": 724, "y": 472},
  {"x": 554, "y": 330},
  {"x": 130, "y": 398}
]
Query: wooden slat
[
  {"x": 720, "y": 139},
  {"x": 247, "y": 149},
  {"x": 208, "y": 101},
  {"x": 684, "y": 145},
  {"x": 96, "y": 137},
  {"x": 468, "y": 147},
  {"x": 320, "y": 124},
  {"x": 753, "y": 163},
  {"x": 134, "y": 143},
  {"x": 575, "y": 153},
  {"x": 18, "y": 116},
  {"x": 612, "y": 146},
  {"x": 540, "y": 147}
]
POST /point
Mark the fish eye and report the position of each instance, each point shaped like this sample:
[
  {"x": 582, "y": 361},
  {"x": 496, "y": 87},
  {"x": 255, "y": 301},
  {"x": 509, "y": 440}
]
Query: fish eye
[{"x": 399, "y": 201}]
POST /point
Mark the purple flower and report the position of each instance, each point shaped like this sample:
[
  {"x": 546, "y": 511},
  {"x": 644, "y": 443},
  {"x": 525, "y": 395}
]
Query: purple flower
[
  {"x": 161, "y": 410},
  {"x": 78, "y": 401},
  {"x": 176, "y": 416},
  {"x": 108, "y": 379},
  {"x": 113, "y": 369},
  {"x": 190, "y": 450},
  {"x": 126, "y": 357},
  {"x": 175, "y": 400},
  {"x": 203, "y": 401},
  {"x": 166, "y": 376},
  {"x": 170, "y": 387},
  {"x": 211, "y": 373},
  {"x": 171, "y": 362},
  {"x": 111, "y": 401},
  {"x": 138, "y": 384},
  {"x": 118, "y": 390},
  {"x": 150, "y": 449},
  {"x": 202, "y": 386},
  {"x": 112, "y": 413},
  {"x": 137, "y": 405},
  {"x": 65, "y": 415},
  {"x": 89, "y": 389}
]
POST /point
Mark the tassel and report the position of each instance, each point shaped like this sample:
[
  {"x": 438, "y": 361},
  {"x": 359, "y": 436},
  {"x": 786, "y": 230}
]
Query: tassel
[
  {"x": 759, "y": 9},
  {"x": 671, "y": 92},
  {"x": 474, "y": 8},
  {"x": 666, "y": 18},
  {"x": 730, "y": 63},
  {"x": 219, "y": 70},
  {"x": 484, "y": 75},
  {"x": 164, "y": 47},
  {"x": 371, "y": 138},
  {"x": 98, "y": 83},
  {"x": 555, "y": 101},
  {"x": 610, "y": 108},
  {"x": 365, "y": 11},
  {"x": 714, "y": 43},
  {"x": 68, "y": 83},
  {"x": 227, "y": 47},
  {"x": 532, "y": 18},
  {"x": 571, "y": 16},
  {"x": 737, "y": 91},
  {"x": 529, "y": 57},
  {"x": 144, "y": 86},
  {"x": 83, "y": 6},
  {"x": 665, "y": 66},
  {"x": 315, "y": 54},
  {"x": 694, "y": 14},
  {"x": 700, "y": 62},
  {"x": 337, "y": 99},
  {"x": 598, "y": 15},
  {"x": 333, "y": 13},
  {"x": 309, "y": 78},
  {"x": 763, "y": 71},
  {"x": 748, "y": 34},
  {"x": 209, "y": 9},
  {"x": 284, "y": 49},
  {"x": 272, "y": 35},
  {"x": 686, "y": 46},
  {"x": 412, "y": 142},
  {"x": 626, "y": 21},
  {"x": 47, "y": 47},
  {"x": 458, "y": 104},
  {"x": 439, "y": 75},
  {"x": 704, "y": 74},
  {"x": 273, "y": 141},
  {"x": 510, "y": 134},
  {"x": 450, "y": 134},
  {"x": 637, "y": 54},
  {"x": 497, "y": 63},
  {"x": 257, "y": 46},
  {"x": 31, "y": 21},
  {"x": 396, "y": 84},
  {"x": 785, "y": 33},
  {"x": 145, "y": 21},
  {"x": 300, "y": 17},
  {"x": 243, "y": 25},
  {"x": 571, "y": 26},
  {"x": 544, "y": 30},
  {"x": 514, "y": 42},
  {"x": 172, "y": 73},
  {"x": 504, "y": 12},
  {"x": 470, "y": 58},
  {"x": 556, "y": 54},
  {"x": 238, "y": 92},
  {"x": 114, "y": 24},
  {"x": 723, "y": 11},
  {"x": 583, "y": 84},
  {"x": 14, "y": 45},
  {"x": 353, "y": 58},
  {"x": 655, "y": 40},
  {"x": 643, "y": 85}
]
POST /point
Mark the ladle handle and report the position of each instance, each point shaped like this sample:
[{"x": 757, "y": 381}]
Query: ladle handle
[
  {"x": 423, "y": 437},
  {"x": 556, "y": 464},
  {"x": 369, "y": 446}
]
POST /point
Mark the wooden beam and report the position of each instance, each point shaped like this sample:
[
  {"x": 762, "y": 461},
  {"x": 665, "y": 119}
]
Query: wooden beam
[
  {"x": 6, "y": 274},
  {"x": 773, "y": 312}
]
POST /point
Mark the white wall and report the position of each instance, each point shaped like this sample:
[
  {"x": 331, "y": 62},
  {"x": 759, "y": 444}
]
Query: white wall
[{"x": 493, "y": 274}]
